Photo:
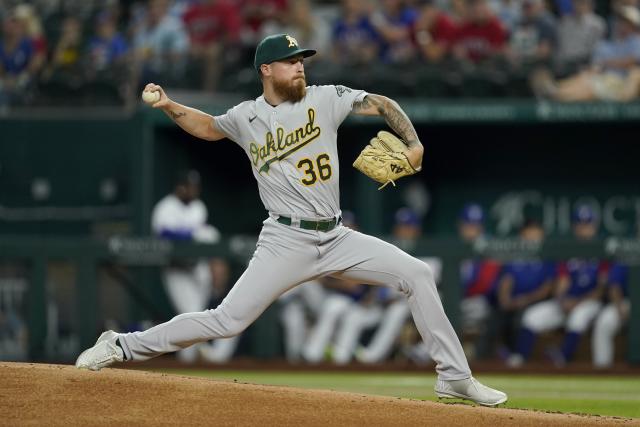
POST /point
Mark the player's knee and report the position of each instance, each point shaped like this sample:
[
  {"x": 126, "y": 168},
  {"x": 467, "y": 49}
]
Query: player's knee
[
  {"x": 415, "y": 276},
  {"x": 421, "y": 272},
  {"x": 232, "y": 329},
  {"x": 530, "y": 320},
  {"x": 601, "y": 330},
  {"x": 605, "y": 325},
  {"x": 577, "y": 324},
  {"x": 225, "y": 325}
]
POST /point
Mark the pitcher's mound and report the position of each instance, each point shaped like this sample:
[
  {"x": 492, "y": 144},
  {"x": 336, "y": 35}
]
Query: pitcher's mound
[{"x": 63, "y": 395}]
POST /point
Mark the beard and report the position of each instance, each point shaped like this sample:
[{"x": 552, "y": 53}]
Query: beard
[{"x": 291, "y": 90}]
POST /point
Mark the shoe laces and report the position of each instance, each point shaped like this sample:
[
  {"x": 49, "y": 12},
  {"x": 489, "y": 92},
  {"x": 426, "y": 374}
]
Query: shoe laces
[{"x": 112, "y": 351}]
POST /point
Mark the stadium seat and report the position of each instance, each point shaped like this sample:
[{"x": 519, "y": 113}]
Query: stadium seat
[
  {"x": 57, "y": 93},
  {"x": 483, "y": 84},
  {"x": 434, "y": 82},
  {"x": 101, "y": 93}
]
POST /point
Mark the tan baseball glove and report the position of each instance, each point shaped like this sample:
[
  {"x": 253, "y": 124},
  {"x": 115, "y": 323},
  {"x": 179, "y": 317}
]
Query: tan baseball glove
[{"x": 384, "y": 159}]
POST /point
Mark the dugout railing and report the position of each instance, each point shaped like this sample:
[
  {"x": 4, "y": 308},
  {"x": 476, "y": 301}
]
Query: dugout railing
[{"x": 87, "y": 254}]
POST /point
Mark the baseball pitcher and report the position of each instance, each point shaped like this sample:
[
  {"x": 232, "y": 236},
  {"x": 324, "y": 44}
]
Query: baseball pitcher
[{"x": 289, "y": 134}]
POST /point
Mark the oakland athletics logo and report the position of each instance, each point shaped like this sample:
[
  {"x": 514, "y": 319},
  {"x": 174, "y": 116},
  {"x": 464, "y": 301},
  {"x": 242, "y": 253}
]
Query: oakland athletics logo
[
  {"x": 281, "y": 145},
  {"x": 292, "y": 42}
]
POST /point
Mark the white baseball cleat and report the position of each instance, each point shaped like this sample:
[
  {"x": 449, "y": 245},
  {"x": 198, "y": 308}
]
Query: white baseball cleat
[
  {"x": 470, "y": 389},
  {"x": 104, "y": 353}
]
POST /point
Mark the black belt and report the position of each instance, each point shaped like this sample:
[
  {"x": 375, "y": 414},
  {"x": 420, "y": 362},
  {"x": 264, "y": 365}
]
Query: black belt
[{"x": 327, "y": 225}]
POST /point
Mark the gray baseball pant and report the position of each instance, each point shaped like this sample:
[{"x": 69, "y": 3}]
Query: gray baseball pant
[{"x": 286, "y": 256}]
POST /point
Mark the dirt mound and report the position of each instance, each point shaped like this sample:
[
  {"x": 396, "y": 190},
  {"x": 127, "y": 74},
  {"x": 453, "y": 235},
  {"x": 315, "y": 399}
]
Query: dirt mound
[{"x": 37, "y": 394}]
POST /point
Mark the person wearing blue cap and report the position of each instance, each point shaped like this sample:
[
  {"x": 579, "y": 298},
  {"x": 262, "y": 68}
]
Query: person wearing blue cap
[
  {"x": 407, "y": 228},
  {"x": 521, "y": 282},
  {"x": 584, "y": 222},
  {"x": 471, "y": 222}
]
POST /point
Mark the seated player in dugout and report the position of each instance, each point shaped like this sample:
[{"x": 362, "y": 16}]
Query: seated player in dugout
[
  {"x": 521, "y": 283},
  {"x": 576, "y": 301},
  {"x": 289, "y": 134}
]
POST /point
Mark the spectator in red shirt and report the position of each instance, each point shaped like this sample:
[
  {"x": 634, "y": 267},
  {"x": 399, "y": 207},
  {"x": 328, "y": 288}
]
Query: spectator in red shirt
[
  {"x": 211, "y": 24},
  {"x": 433, "y": 33},
  {"x": 481, "y": 36}
]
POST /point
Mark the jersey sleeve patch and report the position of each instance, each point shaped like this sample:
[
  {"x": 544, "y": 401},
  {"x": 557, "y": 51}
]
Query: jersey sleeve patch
[{"x": 342, "y": 89}]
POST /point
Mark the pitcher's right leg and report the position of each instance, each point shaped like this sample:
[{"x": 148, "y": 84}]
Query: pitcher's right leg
[{"x": 285, "y": 257}]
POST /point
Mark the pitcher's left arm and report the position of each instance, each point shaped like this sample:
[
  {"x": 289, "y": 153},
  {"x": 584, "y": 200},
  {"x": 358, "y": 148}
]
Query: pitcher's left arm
[{"x": 397, "y": 119}]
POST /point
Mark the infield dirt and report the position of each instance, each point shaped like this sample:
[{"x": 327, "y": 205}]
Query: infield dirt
[{"x": 39, "y": 394}]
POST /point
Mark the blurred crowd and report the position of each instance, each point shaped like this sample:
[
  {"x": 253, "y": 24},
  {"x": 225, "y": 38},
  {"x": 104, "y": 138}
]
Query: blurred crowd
[{"x": 55, "y": 52}]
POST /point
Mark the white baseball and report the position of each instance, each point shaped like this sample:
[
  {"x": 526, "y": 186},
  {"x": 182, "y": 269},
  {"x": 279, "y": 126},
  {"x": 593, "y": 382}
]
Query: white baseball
[{"x": 150, "y": 97}]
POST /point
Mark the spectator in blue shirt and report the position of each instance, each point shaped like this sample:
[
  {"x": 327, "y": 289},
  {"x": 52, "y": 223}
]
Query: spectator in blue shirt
[
  {"x": 394, "y": 24},
  {"x": 355, "y": 40},
  {"x": 107, "y": 47},
  {"x": 17, "y": 54},
  {"x": 16, "y": 50}
]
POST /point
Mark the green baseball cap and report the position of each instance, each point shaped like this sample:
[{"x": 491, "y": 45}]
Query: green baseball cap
[{"x": 278, "y": 47}]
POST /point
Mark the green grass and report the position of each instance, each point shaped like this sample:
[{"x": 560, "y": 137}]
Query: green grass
[{"x": 615, "y": 396}]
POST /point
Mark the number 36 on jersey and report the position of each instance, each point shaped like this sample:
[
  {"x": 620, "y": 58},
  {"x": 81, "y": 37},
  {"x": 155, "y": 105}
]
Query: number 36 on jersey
[{"x": 314, "y": 170}]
